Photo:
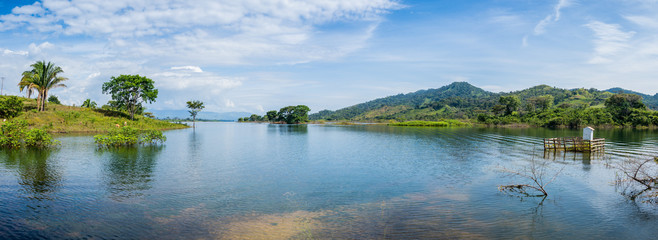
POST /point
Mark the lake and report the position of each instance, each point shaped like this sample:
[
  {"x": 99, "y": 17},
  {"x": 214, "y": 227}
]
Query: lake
[{"x": 251, "y": 181}]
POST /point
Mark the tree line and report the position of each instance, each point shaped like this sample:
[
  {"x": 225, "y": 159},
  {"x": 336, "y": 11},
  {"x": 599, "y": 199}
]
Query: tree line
[
  {"x": 289, "y": 115},
  {"x": 620, "y": 109}
]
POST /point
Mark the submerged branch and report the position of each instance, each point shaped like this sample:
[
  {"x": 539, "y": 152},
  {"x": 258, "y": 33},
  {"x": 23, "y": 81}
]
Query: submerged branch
[{"x": 535, "y": 174}]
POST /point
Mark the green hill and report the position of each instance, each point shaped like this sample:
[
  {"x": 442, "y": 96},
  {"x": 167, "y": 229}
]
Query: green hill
[
  {"x": 461, "y": 100},
  {"x": 450, "y": 100}
]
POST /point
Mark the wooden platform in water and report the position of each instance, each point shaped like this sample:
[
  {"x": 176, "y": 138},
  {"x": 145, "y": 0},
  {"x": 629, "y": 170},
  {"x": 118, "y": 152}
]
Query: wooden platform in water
[{"x": 576, "y": 144}]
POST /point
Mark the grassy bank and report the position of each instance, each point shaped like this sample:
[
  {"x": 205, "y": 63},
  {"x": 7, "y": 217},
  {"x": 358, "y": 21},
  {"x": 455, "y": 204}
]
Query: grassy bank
[
  {"x": 67, "y": 119},
  {"x": 443, "y": 123}
]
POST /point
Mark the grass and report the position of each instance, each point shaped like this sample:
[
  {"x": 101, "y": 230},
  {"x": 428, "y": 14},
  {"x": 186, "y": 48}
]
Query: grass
[
  {"x": 67, "y": 119},
  {"x": 443, "y": 123}
]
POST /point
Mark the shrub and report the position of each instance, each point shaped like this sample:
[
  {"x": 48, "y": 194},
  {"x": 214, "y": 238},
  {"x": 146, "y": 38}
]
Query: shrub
[
  {"x": 12, "y": 134},
  {"x": 39, "y": 138},
  {"x": 15, "y": 135},
  {"x": 10, "y": 106},
  {"x": 152, "y": 137},
  {"x": 128, "y": 136}
]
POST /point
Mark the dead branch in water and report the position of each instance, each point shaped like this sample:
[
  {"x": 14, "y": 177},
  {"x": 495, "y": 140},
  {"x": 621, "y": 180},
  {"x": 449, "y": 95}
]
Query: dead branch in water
[
  {"x": 536, "y": 173},
  {"x": 640, "y": 178}
]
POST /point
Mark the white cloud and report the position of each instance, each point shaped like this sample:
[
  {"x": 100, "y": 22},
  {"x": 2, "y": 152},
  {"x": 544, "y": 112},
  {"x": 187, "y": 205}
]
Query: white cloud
[
  {"x": 195, "y": 69},
  {"x": 540, "y": 28},
  {"x": 37, "y": 49},
  {"x": 206, "y": 82},
  {"x": 11, "y": 52},
  {"x": 609, "y": 42},
  {"x": 644, "y": 21},
  {"x": 208, "y": 31},
  {"x": 142, "y": 17},
  {"x": 93, "y": 75}
]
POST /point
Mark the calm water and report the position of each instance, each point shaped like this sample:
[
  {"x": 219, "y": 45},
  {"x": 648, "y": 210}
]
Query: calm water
[{"x": 246, "y": 181}]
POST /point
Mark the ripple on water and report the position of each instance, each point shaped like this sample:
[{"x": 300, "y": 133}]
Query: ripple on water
[{"x": 333, "y": 182}]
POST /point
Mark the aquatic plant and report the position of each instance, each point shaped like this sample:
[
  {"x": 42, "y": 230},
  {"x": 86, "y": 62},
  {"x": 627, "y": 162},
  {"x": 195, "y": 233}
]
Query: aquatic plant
[
  {"x": 14, "y": 134},
  {"x": 128, "y": 136}
]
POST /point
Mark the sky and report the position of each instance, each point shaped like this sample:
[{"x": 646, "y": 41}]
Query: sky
[{"x": 259, "y": 55}]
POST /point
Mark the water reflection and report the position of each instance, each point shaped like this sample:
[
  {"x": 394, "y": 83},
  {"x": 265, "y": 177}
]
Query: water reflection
[
  {"x": 584, "y": 157},
  {"x": 288, "y": 128},
  {"x": 39, "y": 176},
  {"x": 128, "y": 172}
]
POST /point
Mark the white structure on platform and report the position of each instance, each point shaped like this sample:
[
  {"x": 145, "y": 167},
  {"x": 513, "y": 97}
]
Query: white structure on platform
[{"x": 588, "y": 133}]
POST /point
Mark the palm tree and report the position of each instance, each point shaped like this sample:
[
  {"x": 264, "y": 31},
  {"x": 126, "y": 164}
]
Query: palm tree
[
  {"x": 27, "y": 83},
  {"x": 43, "y": 77},
  {"x": 89, "y": 103}
]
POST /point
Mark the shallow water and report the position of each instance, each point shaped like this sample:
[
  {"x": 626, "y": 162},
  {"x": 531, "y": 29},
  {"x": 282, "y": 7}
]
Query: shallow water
[{"x": 250, "y": 181}]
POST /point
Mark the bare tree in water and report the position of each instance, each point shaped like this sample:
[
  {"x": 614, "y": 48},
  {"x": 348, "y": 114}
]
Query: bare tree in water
[
  {"x": 639, "y": 179},
  {"x": 536, "y": 175}
]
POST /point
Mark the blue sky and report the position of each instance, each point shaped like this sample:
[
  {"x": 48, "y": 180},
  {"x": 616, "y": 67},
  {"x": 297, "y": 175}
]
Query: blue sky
[{"x": 259, "y": 55}]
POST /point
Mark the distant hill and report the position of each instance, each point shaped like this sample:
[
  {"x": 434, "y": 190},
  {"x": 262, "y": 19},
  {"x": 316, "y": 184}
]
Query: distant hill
[
  {"x": 650, "y": 101},
  {"x": 183, "y": 114},
  {"x": 457, "y": 93},
  {"x": 460, "y": 100}
]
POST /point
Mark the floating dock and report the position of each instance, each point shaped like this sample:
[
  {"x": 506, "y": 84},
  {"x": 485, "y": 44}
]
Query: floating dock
[{"x": 575, "y": 144}]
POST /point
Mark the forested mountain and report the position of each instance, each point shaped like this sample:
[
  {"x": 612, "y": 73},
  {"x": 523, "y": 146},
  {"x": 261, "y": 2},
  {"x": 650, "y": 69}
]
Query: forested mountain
[
  {"x": 420, "y": 103},
  {"x": 461, "y": 100}
]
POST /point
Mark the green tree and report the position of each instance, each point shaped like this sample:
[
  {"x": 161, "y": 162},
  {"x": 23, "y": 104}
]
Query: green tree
[
  {"x": 498, "y": 109},
  {"x": 294, "y": 114},
  {"x": 255, "y": 118},
  {"x": 272, "y": 116},
  {"x": 88, "y": 104},
  {"x": 621, "y": 105},
  {"x": 511, "y": 103},
  {"x": 130, "y": 91},
  {"x": 195, "y": 107},
  {"x": 54, "y": 99},
  {"x": 42, "y": 77},
  {"x": 543, "y": 103}
]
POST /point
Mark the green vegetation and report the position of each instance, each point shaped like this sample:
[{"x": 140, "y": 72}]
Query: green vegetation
[
  {"x": 42, "y": 78},
  {"x": 537, "y": 106},
  {"x": 67, "y": 119},
  {"x": 289, "y": 115},
  {"x": 128, "y": 136},
  {"x": 458, "y": 100},
  {"x": 88, "y": 104},
  {"x": 15, "y": 134},
  {"x": 54, "y": 99},
  {"x": 195, "y": 107},
  {"x": 10, "y": 106},
  {"x": 31, "y": 121},
  {"x": 129, "y": 92},
  {"x": 443, "y": 123}
]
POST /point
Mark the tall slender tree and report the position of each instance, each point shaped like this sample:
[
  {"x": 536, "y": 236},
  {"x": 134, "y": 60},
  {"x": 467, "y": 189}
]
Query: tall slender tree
[
  {"x": 195, "y": 107},
  {"x": 42, "y": 77}
]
